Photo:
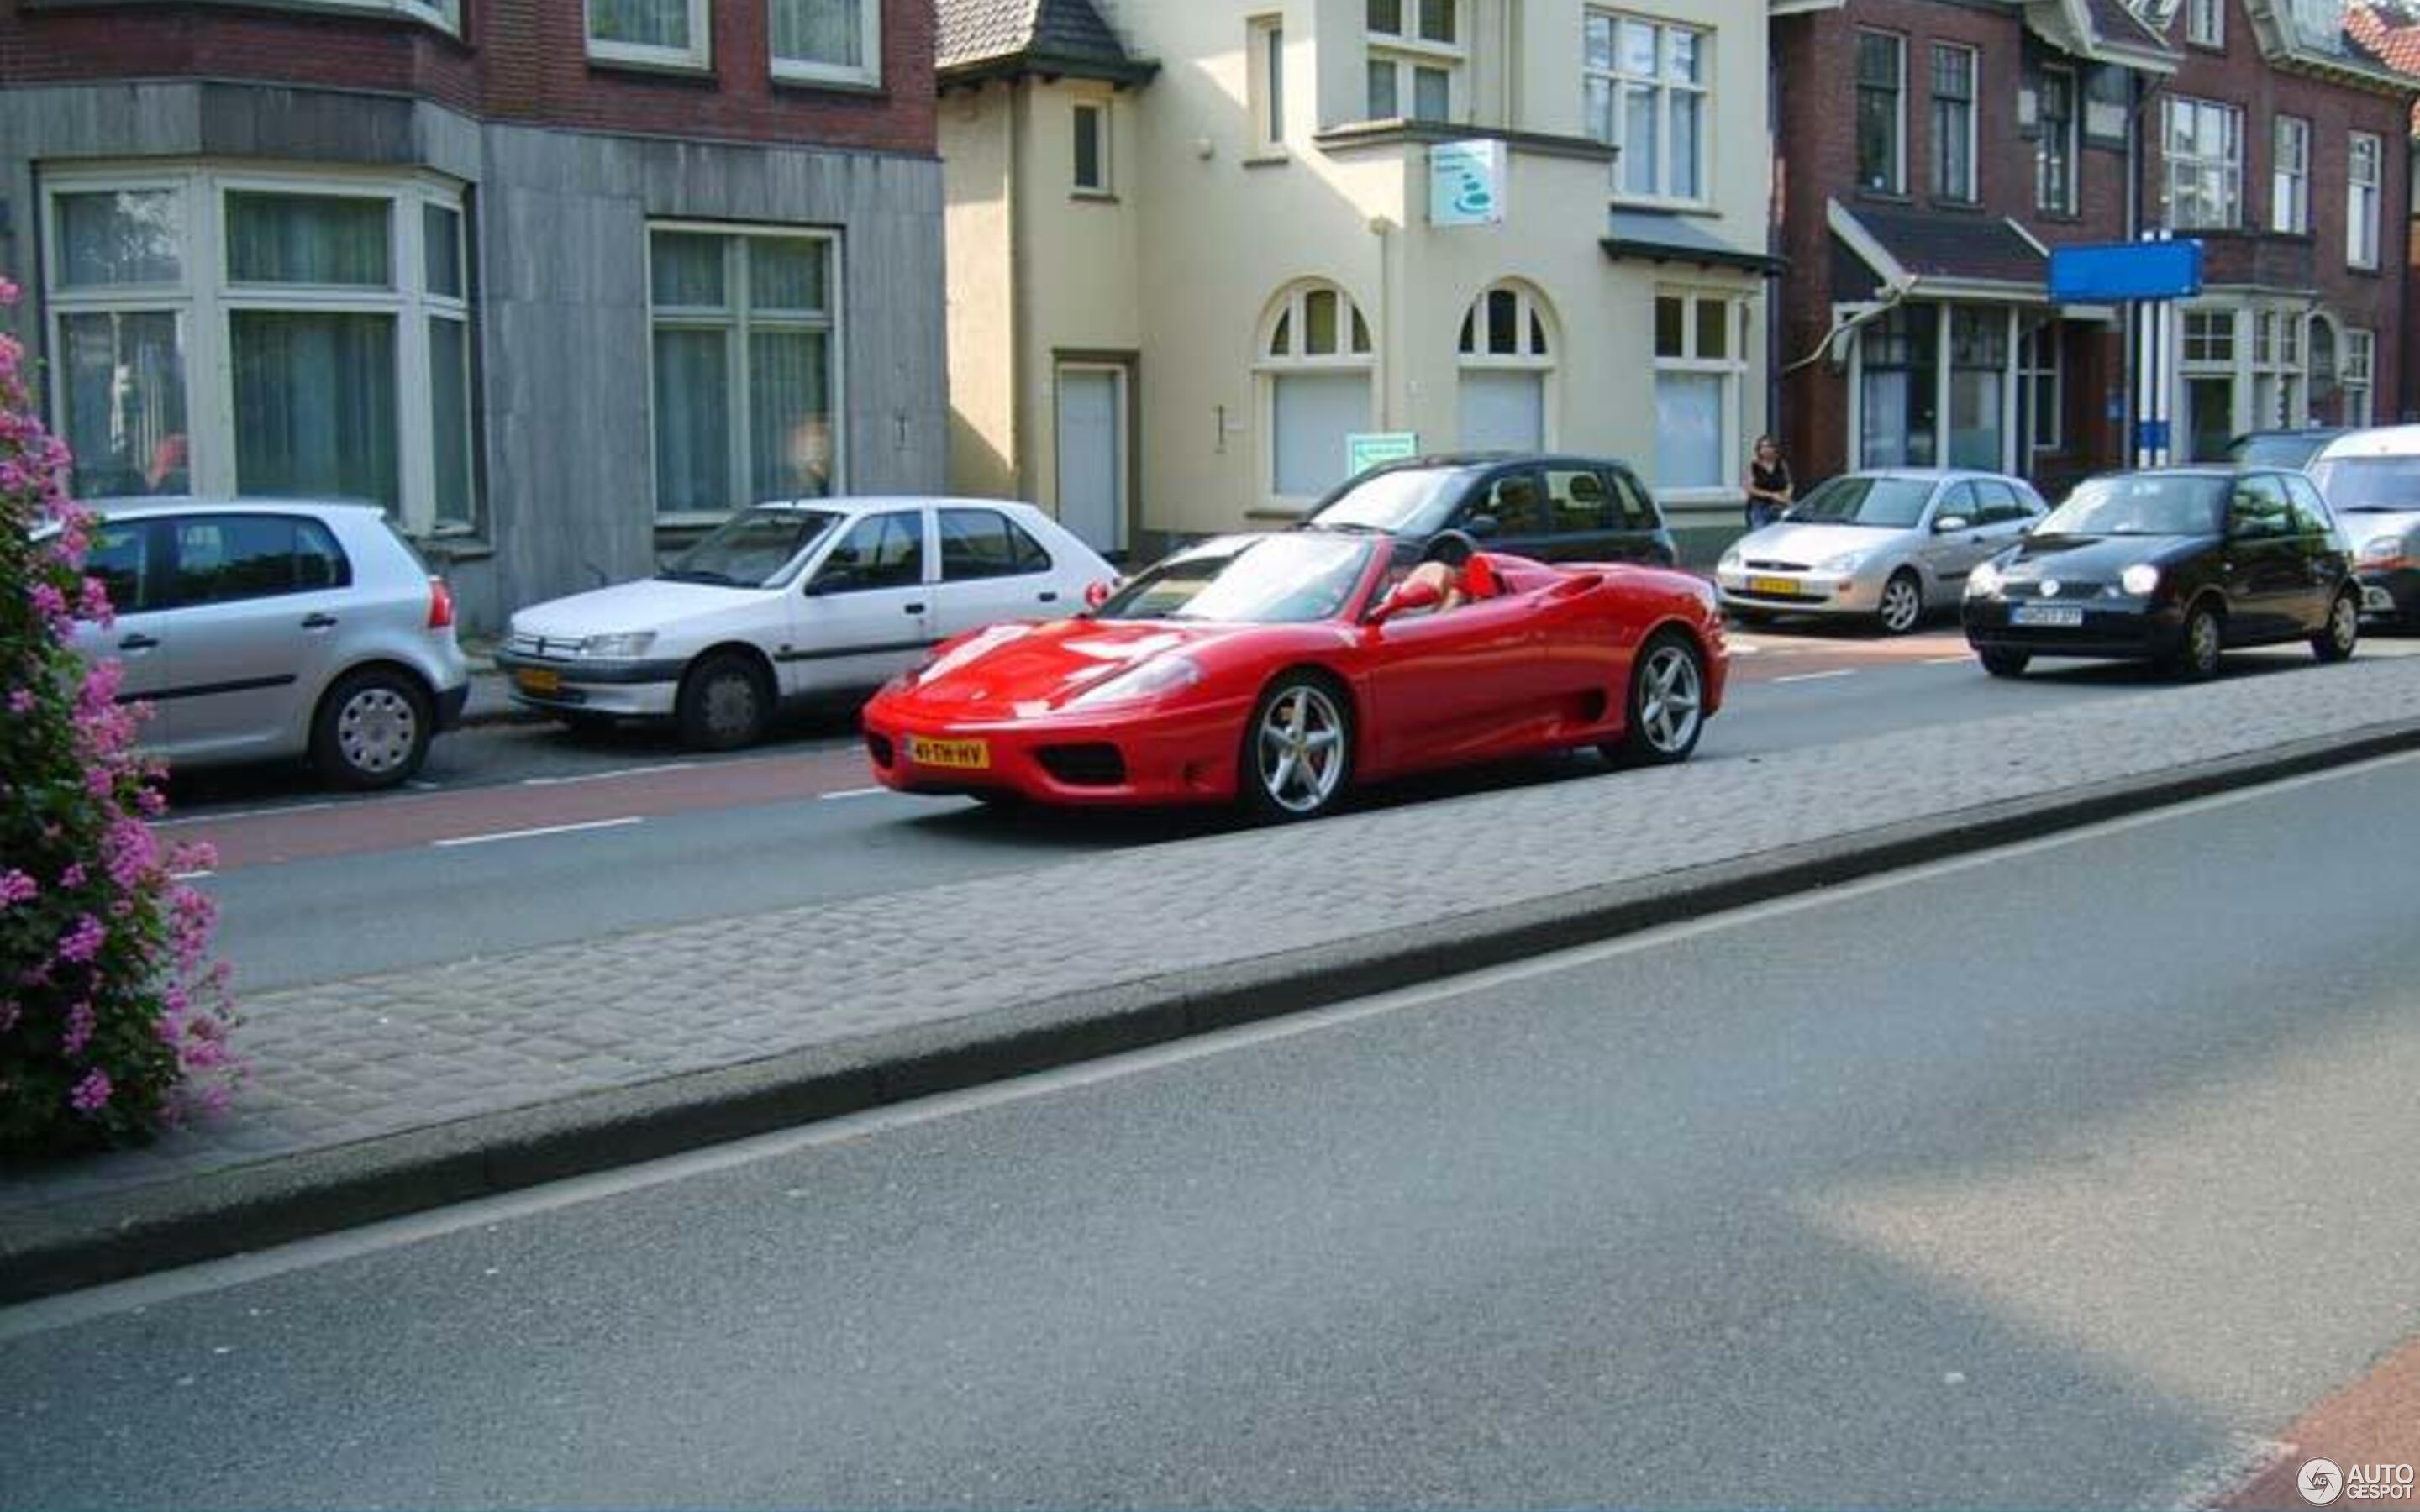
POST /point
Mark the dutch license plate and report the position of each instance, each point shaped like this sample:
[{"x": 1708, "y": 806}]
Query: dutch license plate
[
  {"x": 2054, "y": 614},
  {"x": 2377, "y": 600},
  {"x": 1773, "y": 585},
  {"x": 966, "y": 755},
  {"x": 539, "y": 680}
]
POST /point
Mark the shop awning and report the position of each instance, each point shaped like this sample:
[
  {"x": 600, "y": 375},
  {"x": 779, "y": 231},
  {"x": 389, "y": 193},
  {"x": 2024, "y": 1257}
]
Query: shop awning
[
  {"x": 1945, "y": 255},
  {"x": 1658, "y": 236}
]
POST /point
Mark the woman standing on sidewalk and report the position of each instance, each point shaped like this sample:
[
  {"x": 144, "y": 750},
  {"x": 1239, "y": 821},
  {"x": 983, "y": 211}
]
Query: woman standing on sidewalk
[{"x": 1768, "y": 483}]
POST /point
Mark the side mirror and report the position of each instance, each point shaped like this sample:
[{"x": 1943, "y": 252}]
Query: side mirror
[
  {"x": 1097, "y": 593},
  {"x": 832, "y": 580},
  {"x": 1952, "y": 524},
  {"x": 1404, "y": 598},
  {"x": 1483, "y": 526}
]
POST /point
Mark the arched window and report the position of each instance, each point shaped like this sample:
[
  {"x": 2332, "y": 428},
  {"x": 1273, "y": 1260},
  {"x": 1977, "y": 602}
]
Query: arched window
[
  {"x": 1316, "y": 363},
  {"x": 1506, "y": 357}
]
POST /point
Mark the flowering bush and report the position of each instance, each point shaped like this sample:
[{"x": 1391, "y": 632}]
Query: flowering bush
[{"x": 111, "y": 1024}]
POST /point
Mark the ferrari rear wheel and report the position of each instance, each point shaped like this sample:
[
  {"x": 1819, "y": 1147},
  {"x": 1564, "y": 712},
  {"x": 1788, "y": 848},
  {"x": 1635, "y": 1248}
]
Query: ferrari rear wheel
[
  {"x": 1667, "y": 704},
  {"x": 1297, "y": 750}
]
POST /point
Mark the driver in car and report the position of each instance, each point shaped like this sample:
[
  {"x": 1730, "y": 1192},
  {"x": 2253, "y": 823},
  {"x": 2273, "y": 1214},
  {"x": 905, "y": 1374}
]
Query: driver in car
[{"x": 1458, "y": 572}]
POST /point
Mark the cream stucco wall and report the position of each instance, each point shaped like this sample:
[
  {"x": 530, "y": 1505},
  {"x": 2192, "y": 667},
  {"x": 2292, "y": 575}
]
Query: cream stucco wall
[
  {"x": 1183, "y": 268},
  {"x": 978, "y": 225}
]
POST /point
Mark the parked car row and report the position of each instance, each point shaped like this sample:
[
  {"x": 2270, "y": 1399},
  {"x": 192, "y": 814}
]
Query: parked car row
[{"x": 1273, "y": 668}]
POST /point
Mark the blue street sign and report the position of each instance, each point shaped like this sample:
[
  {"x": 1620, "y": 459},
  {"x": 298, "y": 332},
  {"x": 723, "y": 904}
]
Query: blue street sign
[
  {"x": 2125, "y": 271},
  {"x": 2150, "y": 434}
]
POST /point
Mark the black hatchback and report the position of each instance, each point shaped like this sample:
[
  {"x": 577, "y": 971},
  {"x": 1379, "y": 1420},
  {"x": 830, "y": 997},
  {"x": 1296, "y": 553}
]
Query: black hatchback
[
  {"x": 1549, "y": 508},
  {"x": 2173, "y": 565}
]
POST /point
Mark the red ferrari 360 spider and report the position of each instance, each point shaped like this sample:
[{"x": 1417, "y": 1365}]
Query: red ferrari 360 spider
[{"x": 1276, "y": 669}]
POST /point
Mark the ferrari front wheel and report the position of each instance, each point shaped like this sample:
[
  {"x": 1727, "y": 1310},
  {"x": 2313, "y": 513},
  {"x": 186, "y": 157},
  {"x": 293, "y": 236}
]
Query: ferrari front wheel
[
  {"x": 1667, "y": 702},
  {"x": 1297, "y": 750}
]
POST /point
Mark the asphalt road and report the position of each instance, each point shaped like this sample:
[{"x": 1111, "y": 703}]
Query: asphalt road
[
  {"x": 2056, "y": 1176},
  {"x": 529, "y": 835}
]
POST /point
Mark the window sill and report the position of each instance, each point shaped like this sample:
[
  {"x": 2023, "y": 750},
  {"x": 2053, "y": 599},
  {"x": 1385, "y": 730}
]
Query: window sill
[
  {"x": 1668, "y": 206},
  {"x": 450, "y": 547},
  {"x": 1885, "y": 197},
  {"x": 1093, "y": 196},
  {"x": 666, "y": 72},
  {"x": 1266, "y": 158},
  {"x": 395, "y": 13},
  {"x": 1402, "y": 133},
  {"x": 861, "y": 86},
  {"x": 1959, "y": 207}
]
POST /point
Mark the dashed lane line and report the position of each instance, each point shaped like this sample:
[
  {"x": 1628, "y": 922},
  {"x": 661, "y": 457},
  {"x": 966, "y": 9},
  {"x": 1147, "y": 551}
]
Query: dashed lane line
[
  {"x": 537, "y": 833},
  {"x": 1817, "y": 677}
]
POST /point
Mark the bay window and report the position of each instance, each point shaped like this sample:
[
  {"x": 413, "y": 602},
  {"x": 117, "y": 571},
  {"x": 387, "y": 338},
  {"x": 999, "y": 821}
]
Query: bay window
[
  {"x": 1646, "y": 87},
  {"x": 827, "y": 41},
  {"x": 743, "y": 328},
  {"x": 264, "y": 334},
  {"x": 2204, "y": 150},
  {"x": 1415, "y": 59}
]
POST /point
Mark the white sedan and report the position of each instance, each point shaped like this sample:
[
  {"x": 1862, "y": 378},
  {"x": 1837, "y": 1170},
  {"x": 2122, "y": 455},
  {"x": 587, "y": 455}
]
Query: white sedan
[{"x": 791, "y": 600}]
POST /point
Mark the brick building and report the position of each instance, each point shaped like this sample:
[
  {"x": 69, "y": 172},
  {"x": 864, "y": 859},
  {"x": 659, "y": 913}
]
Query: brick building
[
  {"x": 553, "y": 281},
  {"x": 1933, "y": 151}
]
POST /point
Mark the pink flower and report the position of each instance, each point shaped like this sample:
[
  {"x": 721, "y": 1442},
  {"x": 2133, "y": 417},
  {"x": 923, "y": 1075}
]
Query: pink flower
[
  {"x": 92, "y": 603},
  {"x": 8, "y": 292},
  {"x": 92, "y": 1093},
  {"x": 80, "y": 1026},
  {"x": 73, "y": 877},
  {"x": 17, "y": 886},
  {"x": 20, "y": 701},
  {"x": 84, "y": 941}
]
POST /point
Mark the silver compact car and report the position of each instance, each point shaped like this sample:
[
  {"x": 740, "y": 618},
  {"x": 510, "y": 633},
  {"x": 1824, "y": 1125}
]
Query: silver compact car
[
  {"x": 1882, "y": 546},
  {"x": 265, "y": 628}
]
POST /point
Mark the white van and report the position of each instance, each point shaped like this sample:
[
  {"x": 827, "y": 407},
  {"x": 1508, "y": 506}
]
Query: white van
[{"x": 2372, "y": 481}]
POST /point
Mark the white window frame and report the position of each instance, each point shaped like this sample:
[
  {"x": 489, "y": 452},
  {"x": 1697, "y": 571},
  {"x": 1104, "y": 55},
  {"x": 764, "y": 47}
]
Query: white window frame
[
  {"x": 2289, "y": 176},
  {"x": 1971, "y": 192},
  {"x": 2205, "y": 22},
  {"x": 2227, "y": 160},
  {"x": 1290, "y": 313},
  {"x": 1668, "y": 88},
  {"x": 1105, "y": 185},
  {"x": 739, "y": 318},
  {"x": 1265, "y": 87},
  {"x": 1407, "y": 51},
  {"x": 446, "y": 15},
  {"x": 2069, "y": 139},
  {"x": 1535, "y": 340},
  {"x": 2362, "y": 197},
  {"x": 2045, "y": 423},
  {"x": 205, "y": 297},
  {"x": 867, "y": 71},
  {"x": 2356, "y": 375},
  {"x": 1898, "y": 184},
  {"x": 697, "y": 55},
  {"x": 1733, "y": 370}
]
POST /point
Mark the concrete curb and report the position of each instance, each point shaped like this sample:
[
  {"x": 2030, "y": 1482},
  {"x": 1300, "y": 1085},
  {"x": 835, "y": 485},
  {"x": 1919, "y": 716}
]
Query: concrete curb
[{"x": 87, "y": 1242}]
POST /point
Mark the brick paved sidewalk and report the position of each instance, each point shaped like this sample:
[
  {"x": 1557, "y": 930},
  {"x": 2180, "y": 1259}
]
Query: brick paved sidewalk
[{"x": 357, "y": 1060}]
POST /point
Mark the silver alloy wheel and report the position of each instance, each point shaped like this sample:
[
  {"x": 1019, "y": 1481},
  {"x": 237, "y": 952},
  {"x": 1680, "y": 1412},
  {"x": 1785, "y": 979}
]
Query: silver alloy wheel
[
  {"x": 730, "y": 705},
  {"x": 377, "y": 730},
  {"x": 1902, "y": 604},
  {"x": 1299, "y": 750},
  {"x": 2344, "y": 624},
  {"x": 2202, "y": 643},
  {"x": 1671, "y": 698}
]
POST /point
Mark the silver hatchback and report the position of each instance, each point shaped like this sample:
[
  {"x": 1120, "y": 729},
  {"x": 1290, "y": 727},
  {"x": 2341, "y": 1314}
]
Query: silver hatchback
[
  {"x": 1880, "y": 546},
  {"x": 266, "y": 628}
]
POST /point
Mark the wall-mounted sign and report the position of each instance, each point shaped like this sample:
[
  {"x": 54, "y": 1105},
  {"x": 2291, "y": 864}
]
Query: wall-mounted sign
[
  {"x": 1466, "y": 183},
  {"x": 1364, "y": 452},
  {"x": 2125, "y": 271}
]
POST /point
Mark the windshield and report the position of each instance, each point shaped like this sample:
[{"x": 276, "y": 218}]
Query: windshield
[
  {"x": 751, "y": 548},
  {"x": 2275, "y": 450},
  {"x": 2141, "y": 505},
  {"x": 1884, "y": 504},
  {"x": 1403, "y": 499},
  {"x": 1260, "y": 579},
  {"x": 2369, "y": 484}
]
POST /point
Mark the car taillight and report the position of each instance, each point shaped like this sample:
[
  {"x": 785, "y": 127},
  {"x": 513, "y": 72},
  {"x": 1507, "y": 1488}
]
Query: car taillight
[{"x": 441, "y": 604}]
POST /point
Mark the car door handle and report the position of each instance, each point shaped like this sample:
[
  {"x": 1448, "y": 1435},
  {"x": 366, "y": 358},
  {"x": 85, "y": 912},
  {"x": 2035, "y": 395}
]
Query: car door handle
[
  {"x": 915, "y": 608},
  {"x": 1050, "y": 595},
  {"x": 137, "y": 642},
  {"x": 319, "y": 621}
]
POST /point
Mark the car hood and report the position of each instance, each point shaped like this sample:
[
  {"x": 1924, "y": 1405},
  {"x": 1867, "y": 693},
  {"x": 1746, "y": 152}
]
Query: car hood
[
  {"x": 1811, "y": 545},
  {"x": 1022, "y": 669},
  {"x": 2363, "y": 526},
  {"x": 648, "y": 603},
  {"x": 2094, "y": 558}
]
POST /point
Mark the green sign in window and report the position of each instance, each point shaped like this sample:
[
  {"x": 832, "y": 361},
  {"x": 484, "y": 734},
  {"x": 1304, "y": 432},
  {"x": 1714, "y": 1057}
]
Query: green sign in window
[{"x": 1362, "y": 452}]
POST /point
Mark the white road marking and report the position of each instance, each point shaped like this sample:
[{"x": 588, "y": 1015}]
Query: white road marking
[
  {"x": 1817, "y": 677},
  {"x": 854, "y": 793},
  {"x": 1949, "y": 661},
  {"x": 533, "y": 833},
  {"x": 190, "y": 876},
  {"x": 599, "y": 777},
  {"x": 240, "y": 813},
  {"x": 48, "y": 1313}
]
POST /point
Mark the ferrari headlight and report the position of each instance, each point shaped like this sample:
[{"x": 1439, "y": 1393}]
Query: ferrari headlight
[
  {"x": 1984, "y": 580},
  {"x": 622, "y": 646},
  {"x": 1845, "y": 562},
  {"x": 2142, "y": 579},
  {"x": 1161, "y": 674}
]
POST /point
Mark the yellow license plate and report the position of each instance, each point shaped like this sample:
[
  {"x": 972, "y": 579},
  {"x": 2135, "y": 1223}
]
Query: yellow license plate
[
  {"x": 1773, "y": 585},
  {"x": 968, "y": 755},
  {"x": 539, "y": 680}
]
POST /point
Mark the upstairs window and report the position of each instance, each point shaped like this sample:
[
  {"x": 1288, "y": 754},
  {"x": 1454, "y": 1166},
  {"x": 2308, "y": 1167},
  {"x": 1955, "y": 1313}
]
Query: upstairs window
[
  {"x": 2054, "y": 149},
  {"x": 1266, "y": 42},
  {"x": 1953, "y": 122},
  {"x": 1416, "y": 57},
  {"x": 2205, "y": 22},
  {"x": 1882, "y": 80},
  {"x": 1646, "y": 93},
  {"x": 2289, "y": 182},
  {"x": 827, "y": 41},
  {"x": 2361, "y": 199},
  {"x": 659, "y": 32},
  {"x": 1092, "y": 145},
  {"x": 2204, "y": 148}
]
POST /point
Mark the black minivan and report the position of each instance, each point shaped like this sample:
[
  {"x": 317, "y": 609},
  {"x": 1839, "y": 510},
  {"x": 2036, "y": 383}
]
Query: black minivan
[{"x": 1549, "y": 508}]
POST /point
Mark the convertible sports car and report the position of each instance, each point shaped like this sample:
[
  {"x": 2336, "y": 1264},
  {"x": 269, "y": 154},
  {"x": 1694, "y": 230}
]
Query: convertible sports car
[{"x": 1277, "y": 670}]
